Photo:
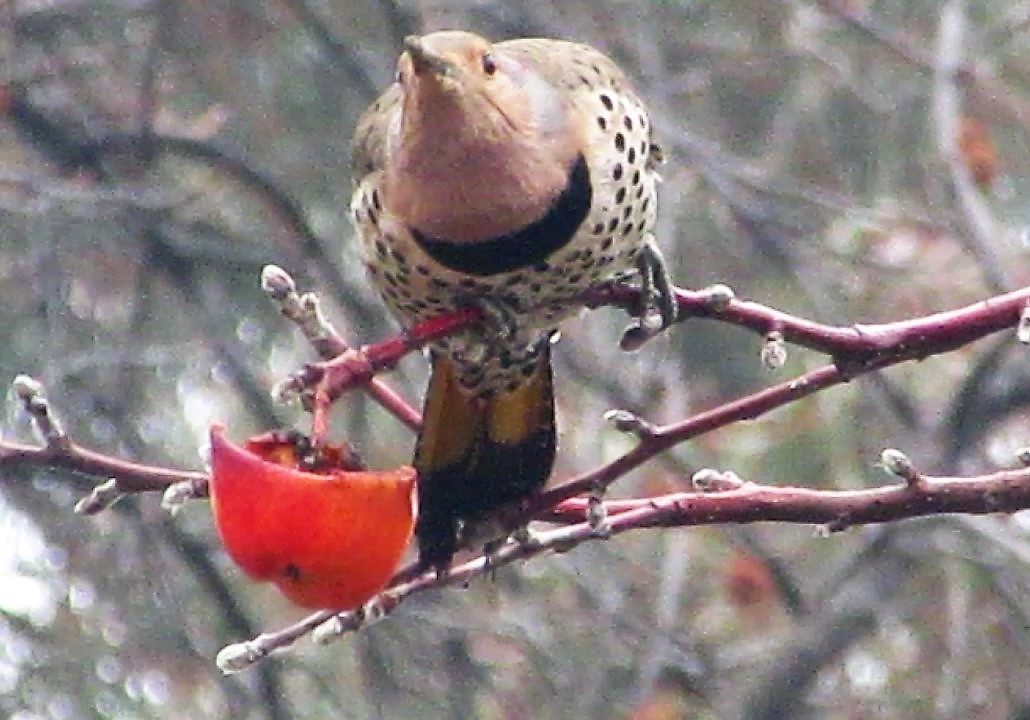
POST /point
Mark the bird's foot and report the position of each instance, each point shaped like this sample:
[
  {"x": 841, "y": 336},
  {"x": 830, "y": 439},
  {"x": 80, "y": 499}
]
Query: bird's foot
[
  {"x": 500, "y": 316},
  {"x": 656, "y": 307},
  {"x": 597, "y": 514},
  {"x": 491, "y": 551},
  {"x": 526, "y": 538}
]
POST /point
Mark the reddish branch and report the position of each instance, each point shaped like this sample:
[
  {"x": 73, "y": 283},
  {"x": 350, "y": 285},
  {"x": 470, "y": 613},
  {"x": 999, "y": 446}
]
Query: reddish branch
[
  {"x": 322, "y": 383},
  {"x": 734, "y": 501},
  {"x": 1005, "y": 491},
  {"x": 305, "y": 311},
  {"x": 130, "y": 477},
  {"x": 59, "y": 451},
  {"x": 855, "y": 350}
]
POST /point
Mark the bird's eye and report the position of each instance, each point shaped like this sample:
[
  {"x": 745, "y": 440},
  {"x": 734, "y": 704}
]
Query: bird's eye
[{"x": 489, "y": 66}]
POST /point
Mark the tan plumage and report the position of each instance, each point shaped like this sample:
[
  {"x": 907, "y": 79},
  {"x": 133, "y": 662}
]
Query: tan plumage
[{"x": 514, "y": 176}]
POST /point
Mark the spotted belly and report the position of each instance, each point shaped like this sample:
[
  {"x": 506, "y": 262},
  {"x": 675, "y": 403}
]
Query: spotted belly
[{"x": 415, "y": 286}]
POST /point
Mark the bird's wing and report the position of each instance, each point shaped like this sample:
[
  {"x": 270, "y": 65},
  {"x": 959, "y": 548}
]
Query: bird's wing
[
  {"x": 569, "y": 65},
  {"x": 368, "y": 149}
]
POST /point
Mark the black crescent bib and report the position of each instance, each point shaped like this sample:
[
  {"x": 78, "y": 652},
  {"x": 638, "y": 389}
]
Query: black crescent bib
[{"x": 522, "y": 248}]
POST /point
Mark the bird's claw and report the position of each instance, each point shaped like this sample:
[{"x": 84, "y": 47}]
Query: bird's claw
[
  {"x": 597, "y": 515},
  {"x": 656, "y": 307},
  {"x": 500, "y": 316}
]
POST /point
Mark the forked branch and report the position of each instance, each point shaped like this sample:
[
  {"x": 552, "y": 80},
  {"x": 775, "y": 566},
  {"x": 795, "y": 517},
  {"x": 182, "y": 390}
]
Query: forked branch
[{"x": 718, "y": 497}]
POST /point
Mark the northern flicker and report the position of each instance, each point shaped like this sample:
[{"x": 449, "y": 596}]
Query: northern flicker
[{"x": 513, "y": 177}]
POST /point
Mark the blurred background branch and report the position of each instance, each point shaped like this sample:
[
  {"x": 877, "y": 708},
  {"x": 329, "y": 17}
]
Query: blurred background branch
[{"x": 155, "y": 156}]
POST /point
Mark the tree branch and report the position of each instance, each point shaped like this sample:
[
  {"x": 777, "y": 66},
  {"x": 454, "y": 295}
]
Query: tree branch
[
  {"x": 855, "y": 349},
  {"x": 722, "y": 498},
  {"x": 732, "y": 501}
]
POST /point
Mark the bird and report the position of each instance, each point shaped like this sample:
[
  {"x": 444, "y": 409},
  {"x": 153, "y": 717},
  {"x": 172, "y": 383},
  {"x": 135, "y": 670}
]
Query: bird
[{"x": 510, "y": 177}]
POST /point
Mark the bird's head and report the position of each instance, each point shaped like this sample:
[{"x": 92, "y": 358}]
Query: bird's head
[
  {"x": 462, "y": 81},
  {"x": 476, "y": 118}
]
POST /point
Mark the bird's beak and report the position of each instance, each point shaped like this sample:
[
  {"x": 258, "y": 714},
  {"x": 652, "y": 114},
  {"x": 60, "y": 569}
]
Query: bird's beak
[{"x": 423, "y": 60}]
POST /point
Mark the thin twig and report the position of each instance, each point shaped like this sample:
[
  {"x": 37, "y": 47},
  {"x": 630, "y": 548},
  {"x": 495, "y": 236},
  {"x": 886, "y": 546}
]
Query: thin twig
[
  {"x": 306, "y": 312},
  {"x": 59, "y": 451}
]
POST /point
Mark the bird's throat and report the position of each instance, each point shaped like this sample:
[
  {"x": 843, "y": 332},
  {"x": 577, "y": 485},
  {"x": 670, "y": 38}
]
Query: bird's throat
[{"x": 473, "y": 179}]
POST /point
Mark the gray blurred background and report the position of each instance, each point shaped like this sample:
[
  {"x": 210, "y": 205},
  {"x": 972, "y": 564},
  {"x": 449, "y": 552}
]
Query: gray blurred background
[{"x": 843, "y": 160}]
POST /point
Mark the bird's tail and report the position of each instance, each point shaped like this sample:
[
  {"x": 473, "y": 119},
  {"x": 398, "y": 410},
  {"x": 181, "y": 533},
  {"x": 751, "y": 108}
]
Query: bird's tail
[{"x": 476, "y": 454}]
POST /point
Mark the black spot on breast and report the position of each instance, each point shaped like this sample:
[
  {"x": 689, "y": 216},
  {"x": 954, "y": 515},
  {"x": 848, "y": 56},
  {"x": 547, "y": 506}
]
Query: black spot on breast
[
  {"x": 627, "y": 229},
  {"x": 607, "y": 244},
  {"x": 636, "y": 177},
  {"x": 620, "y": 195},
  {"x": 620, "y": 142},
  {"x": 627, "y": 212},
  {"x": 627, "y": 123},
  {"x": 612, "y": 224},
  {"x": 598, "y": 229},
  {"x": 375, "y": 201},
  {"x": 381, "y": 249},
  {"x": 617, "y": 171},
  {"x": 421, "y": 269},
  {"x": 602, "y": 123},
  {"x": 631, "y": 156},
  {"x": 607, "y": 102}
]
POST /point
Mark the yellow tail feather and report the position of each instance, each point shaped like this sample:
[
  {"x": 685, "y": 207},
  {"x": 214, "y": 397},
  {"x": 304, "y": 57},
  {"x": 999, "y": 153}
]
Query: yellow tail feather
[{"x": 475, "y": 455}]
